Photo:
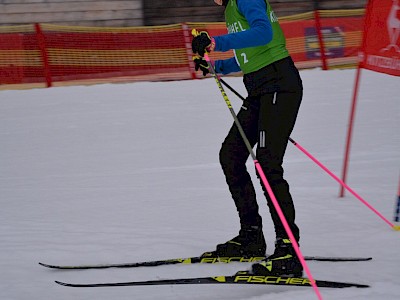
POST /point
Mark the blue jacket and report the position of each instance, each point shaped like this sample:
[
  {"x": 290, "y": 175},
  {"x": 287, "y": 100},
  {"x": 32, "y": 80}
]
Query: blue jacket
[{"x": 260, "y": 33}]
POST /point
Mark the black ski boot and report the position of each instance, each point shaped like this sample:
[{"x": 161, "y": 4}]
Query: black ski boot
[
  {"x": 249, "y": 243},
  {"x": 284, "y": 262}
]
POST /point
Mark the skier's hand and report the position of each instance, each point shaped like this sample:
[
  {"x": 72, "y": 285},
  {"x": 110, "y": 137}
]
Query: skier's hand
[
  {"x": 202, "y": 42},
  {"x": 201, "y": 64}
]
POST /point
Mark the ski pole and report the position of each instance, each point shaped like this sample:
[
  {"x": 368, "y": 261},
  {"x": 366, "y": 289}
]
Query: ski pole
[
  {"x": 341, "y": 182},
  {"x": 263, "y": 177},
  {"x": 397, "y": 209}
]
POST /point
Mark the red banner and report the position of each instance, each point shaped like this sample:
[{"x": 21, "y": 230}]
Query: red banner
[{"x": 381, "y": 44}]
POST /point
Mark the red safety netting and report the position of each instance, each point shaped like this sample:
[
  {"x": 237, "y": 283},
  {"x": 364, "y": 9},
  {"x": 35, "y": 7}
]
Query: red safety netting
[{"x": 46, "y": 53}]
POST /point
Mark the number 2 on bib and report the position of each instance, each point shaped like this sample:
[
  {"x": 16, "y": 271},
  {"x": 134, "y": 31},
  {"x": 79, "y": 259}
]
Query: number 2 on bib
[{"x": 245, "y": 60}]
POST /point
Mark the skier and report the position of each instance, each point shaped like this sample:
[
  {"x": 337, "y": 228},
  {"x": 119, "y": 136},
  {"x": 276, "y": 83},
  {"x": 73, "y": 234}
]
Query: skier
[{"x": 267, "y": 116}]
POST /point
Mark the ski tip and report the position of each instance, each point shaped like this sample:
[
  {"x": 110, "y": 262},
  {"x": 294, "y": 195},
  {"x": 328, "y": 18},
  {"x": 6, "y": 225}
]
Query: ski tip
[
  {"x": 69, "y": 284},
  {"x": 48, "y": 266},
  {"x": 45, "y": 265}
]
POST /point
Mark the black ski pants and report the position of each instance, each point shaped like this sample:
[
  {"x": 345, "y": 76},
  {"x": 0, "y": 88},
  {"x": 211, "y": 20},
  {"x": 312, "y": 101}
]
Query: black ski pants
[{"x": 267, "y": 116}]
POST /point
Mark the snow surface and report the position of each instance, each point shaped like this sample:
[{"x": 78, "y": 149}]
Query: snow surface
[{"x": 129, "y": 172}]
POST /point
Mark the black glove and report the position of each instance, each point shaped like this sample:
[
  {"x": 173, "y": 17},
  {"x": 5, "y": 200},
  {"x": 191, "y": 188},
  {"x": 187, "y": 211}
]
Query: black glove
[
  {"x": 202, "y": 43},
  {"x": 201, "y": 64}
]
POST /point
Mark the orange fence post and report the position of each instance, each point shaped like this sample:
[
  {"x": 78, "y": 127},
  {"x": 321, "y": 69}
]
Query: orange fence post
[
  {"x": 320, "y": 35},
  {"x": 43, "y": 52}
]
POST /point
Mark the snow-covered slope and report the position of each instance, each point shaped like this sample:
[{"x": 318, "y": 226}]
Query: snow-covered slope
[{"x": 130, "y": 172}]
